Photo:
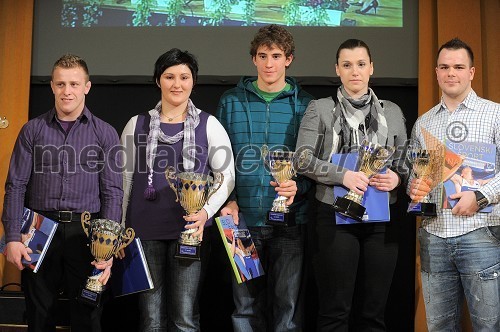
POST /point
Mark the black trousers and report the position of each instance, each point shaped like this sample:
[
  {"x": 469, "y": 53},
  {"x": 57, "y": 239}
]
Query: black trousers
[
  {"x": 347, "y": 260},
  {"x": 64, "y": 268}
]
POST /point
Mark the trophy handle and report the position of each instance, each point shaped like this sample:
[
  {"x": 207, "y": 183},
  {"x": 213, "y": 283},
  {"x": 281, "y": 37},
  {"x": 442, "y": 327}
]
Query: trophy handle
[
  {"x": 170, "y": 175},
  {"x": 85, "y": 222},
  {"x": 127, "y": 238},
  {"x": 218, "y": 180},
  {"x": 264, "y": 153},
  {"x": 299, "y": 160}
]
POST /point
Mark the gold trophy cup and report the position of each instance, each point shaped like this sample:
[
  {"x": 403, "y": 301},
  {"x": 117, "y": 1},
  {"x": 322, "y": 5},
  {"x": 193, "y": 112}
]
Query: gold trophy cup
[
  {"x": 372, "y": 159},
  {"x": 192, "y": 190},
  {"x": 434, "y": 163},
  {"x": 282, "y": 167},
  {"x": 427, "y": 165},
  {"x": 106, "y": 237}
]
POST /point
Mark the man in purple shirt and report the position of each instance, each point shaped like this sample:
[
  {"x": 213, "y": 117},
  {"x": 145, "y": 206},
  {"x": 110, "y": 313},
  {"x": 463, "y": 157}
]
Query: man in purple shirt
[{"x": 64, "y": 162}]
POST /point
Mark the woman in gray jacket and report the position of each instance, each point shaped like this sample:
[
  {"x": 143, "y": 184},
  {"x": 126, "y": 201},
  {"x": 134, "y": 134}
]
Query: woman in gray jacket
[{"x": 359, "y": 254}]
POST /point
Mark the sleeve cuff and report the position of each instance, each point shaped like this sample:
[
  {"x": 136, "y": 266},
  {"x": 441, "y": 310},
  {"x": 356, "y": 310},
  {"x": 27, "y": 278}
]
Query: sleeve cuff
[{"x": 210, "y": 212}]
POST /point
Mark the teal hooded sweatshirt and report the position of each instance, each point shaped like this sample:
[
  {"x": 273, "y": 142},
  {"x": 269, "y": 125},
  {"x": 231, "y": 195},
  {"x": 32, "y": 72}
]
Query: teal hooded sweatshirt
[{"x": 251, "y": 123}]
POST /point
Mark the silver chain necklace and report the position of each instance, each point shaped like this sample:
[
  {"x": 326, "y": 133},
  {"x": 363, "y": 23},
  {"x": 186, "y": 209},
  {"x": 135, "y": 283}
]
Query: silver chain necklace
[{"x": 170, "y": 119}]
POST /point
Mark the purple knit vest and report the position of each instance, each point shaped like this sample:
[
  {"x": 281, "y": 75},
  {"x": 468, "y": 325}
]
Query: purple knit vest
[{"x": 161, "y": 219}]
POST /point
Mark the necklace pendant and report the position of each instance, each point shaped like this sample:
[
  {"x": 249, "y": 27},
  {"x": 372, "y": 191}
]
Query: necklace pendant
[{"x": 170, "y": 119}]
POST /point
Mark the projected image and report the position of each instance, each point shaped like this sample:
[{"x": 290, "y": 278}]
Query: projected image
[{"x": 135, "y": 13}]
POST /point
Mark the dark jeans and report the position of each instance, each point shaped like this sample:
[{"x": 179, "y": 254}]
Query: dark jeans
[
  {"x": 272, "y": 302},
  {"x": 65, "y": 267},
  {"x": 348, "y": 257},
  {"x": 173, "y": 304}
]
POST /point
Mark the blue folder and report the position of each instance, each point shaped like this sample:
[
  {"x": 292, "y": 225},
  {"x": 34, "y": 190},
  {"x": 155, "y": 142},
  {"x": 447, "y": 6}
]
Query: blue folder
[
  {"x": 375, "y": 201},
  {"x": 131, "y": 274}
]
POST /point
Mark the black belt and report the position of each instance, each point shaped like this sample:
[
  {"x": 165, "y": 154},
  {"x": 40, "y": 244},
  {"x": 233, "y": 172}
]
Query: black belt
[{"x": 66, "y": 216}]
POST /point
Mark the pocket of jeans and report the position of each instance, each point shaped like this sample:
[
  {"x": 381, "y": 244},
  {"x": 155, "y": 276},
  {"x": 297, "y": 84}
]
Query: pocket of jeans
[
  {"x": 494, "y": 233},
  {"x": 489, "y": 284}
]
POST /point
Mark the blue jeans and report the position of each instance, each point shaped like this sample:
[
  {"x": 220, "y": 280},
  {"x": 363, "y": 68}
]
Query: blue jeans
[
  {"x": 173, "y": 304},
  {"x": 271, "y": 302},
  {"x": 466, "y": 266}
]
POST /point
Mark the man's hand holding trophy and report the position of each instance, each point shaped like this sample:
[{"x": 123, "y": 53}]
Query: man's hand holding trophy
[
  {"x": 106, "y": 238},
  {"x": 427, "y": 168}
]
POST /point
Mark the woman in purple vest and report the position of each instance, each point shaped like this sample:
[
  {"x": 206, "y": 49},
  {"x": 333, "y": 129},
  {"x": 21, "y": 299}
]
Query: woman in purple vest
[{"x": 174, "y": 133}]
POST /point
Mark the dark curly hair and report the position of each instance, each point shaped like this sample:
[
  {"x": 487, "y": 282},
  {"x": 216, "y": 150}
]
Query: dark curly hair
[{"x": 270, "y": 35}]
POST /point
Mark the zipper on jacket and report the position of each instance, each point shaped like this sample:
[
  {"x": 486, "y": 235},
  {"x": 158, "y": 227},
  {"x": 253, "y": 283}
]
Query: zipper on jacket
[{"x": 266, "y": 141}]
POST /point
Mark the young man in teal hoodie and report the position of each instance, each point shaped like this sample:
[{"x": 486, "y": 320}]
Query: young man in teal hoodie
[{"x": 265, "y": 111}]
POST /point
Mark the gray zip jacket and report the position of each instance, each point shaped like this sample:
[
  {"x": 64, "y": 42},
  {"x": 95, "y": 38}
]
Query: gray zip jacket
[{"x": 316, "y": 136}]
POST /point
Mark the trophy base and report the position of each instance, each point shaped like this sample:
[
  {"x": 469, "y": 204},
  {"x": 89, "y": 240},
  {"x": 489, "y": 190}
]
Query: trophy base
[
  {"x": 284, "y": 219},
  {"x": 186, "y": 251},
  {"x": 349, "y": 208},
  {"x": 89, "y": 297},
  {"x": 423, "y": 209}
]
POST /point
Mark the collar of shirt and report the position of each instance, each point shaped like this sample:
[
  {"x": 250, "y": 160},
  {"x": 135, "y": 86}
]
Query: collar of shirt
[
  {"x": 52, "y": 115},
  {"x": 469, "y": 102}
]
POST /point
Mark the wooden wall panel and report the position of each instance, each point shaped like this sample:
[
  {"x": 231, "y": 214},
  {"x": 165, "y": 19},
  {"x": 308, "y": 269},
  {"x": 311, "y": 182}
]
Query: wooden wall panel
[
  {"x": 16, "y": 26},
  {"x": 490, "y": 26},
  {"x": 463, "y": 20}
]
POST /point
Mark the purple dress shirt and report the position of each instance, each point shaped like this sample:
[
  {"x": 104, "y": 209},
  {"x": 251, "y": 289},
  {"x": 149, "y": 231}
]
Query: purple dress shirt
[{"x": 51, "y": 170}]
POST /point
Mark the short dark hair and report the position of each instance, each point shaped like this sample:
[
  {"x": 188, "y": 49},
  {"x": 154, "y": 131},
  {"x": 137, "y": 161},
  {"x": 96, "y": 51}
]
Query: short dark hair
[
  {"x": 351, "y": 44},
  {"x": 175, "y": 57},
  {"x": 71, "y": 61},
  {"x": 457, "y": 44},
  {"x": 270, "y": 35}
]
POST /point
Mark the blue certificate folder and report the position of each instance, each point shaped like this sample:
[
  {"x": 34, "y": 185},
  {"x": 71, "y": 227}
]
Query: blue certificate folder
[
  {"x": 479, "y": 159},
  {"x": 37, "y": 233},
  {"x": 131, "y": 274},
  {"x": 375, "y": 201}
]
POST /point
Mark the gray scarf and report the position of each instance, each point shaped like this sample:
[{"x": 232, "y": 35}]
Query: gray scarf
[
  {"x": 156, "y": 134},
  {"x": 354, "y": 112}
]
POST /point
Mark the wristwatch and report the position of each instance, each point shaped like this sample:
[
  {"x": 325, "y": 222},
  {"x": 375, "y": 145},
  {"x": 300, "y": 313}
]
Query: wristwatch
[{"x": 481, "y": 200}]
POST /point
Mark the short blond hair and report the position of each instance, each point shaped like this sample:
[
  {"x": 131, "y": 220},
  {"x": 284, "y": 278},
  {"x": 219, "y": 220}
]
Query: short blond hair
[{"x": 71, "y": 61}]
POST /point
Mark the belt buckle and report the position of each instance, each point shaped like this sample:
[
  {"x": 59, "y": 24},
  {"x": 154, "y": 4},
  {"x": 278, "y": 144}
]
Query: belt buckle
[{"x": 65, "y": 216}]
